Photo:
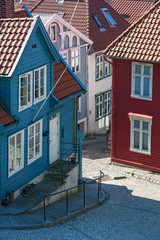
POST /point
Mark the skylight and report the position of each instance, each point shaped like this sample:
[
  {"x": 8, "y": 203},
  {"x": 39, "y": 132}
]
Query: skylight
[
  {"x": 61, "y": 14},
  {"x": 109, "y": 18},
  {"x": 60, "y": 1},
  {"x": 101, "y": 28}
]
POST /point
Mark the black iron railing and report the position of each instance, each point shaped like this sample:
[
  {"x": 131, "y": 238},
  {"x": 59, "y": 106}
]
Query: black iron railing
[{"x": 99, "y": 181}]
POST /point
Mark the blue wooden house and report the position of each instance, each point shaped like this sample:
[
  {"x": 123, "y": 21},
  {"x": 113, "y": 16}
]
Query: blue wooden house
[{"x": 38, "y": 120}]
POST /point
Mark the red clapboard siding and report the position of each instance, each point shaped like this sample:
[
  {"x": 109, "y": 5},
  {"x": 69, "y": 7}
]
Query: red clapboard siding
[{"x": 122, "y": 104}]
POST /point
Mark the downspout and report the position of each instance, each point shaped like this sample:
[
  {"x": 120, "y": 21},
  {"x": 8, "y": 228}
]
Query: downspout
[{"x": 113, "y": 120}]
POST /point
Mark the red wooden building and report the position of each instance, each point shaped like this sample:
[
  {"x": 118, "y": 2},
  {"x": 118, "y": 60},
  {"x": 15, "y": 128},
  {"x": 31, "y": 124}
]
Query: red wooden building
[{"x": 135, "y": 126}]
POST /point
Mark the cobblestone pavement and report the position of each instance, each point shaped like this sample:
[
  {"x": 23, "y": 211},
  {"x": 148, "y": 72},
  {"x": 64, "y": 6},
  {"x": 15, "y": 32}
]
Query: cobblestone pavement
[{"x": 132, "y": 211}]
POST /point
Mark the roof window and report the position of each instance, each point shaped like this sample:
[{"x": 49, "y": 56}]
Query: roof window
[
  {"x": 61, "y": 14},
  {"x": 101, "y": 28},
  {"x": 109, "y": 18},
  {"x": 60, "y": 1}
]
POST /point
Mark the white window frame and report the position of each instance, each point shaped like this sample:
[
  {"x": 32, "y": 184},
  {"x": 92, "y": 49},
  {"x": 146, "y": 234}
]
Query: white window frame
[
  {"x": 40, "y": 98},
  {"x": 74, "y": 58},
  {"x": 62, "y": 54},
  {"x": 35, "y": 157},
  {"x": 29, "y": 103},
  {"x": 141, "y": 131},
  {"x": 102, "y": 64},
  {"x": 53, "y": 26},
  {"x": 101, "y": 104},
  {"x": 10, "y": 173},
  {"x": 140, "y": 96}
]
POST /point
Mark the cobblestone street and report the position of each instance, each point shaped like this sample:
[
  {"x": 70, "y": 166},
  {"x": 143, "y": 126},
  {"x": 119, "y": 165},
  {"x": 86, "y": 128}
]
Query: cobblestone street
[{"x": 132, "y": 211}]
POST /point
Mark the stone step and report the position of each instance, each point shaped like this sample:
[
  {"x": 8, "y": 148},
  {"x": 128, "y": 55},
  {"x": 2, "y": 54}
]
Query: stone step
[{"x": 55, "y": 176}]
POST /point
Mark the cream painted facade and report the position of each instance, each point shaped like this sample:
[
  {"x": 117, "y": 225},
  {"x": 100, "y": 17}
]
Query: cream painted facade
[{"x": 96, "y": 88}]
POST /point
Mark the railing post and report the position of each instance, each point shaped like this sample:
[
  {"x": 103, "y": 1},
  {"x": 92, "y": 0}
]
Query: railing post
[
  {"x": 98, "y": 189},
  {"x": 44, "y": 207},
  {"x": 67, "y": 201},
  {"x": 100, "y": 180},
  {"x": 84, "y": 195}
]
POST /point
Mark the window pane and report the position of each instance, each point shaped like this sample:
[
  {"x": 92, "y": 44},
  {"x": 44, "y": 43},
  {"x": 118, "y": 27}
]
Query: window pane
[
  {"x": 146, "y": 87},
  {"x": 37, "y": 127},
  {"x": 18, "y": 138},
  {"x": 137, "y": 85},
  {"x": 31, "y": 131},
  {"x": 145, "y": 125},
  {"x": 31, "y": 142},
  {"x": 136, "y": 139},
  {"x": 97, "y": 71},
  {"x": 136, "y": 124},
  {"x": 31, "y": 153},
  {"x": 37, "y": 150},
  {"x": 144, "y": 141},
  {"x": 138, "y": 69},
  {"x": 12, "y": 142},
  {"x": 97, "y": 109},
  {"x": 147, "y": 70}
]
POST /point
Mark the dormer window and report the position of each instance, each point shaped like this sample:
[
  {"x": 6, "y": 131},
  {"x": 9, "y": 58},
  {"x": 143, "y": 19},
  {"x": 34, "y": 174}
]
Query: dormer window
[
  {"x": 53, "y": 33},
  {"x": 109, "y": 18},
  {"x": 61, "y": 14},
  {"x": 101, "y": 28},
  {"x": 59, "y": 1}
]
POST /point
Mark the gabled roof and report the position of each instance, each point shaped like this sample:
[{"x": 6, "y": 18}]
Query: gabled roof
[
  {"x": 69, "y": 84},
  {"x": 47, "y": 19},
  {"x": 14, "y": 35},
  {"x": 131, "y": 9},
  {"x": 83, "y": 19},
  {"x": 141, "y": 41},
  {"x": 5, "y": 117}
]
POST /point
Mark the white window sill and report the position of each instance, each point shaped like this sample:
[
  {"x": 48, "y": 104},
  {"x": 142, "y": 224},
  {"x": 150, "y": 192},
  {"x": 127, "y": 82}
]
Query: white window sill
[
  {"x": 140, "y": 151},
  {"x": 25, "y": 107},
  {"x": 34, "y": 159},
  {"x": 142, "y": 98},
  {"x": 39, "y": 99},
  {"x": 15, "y": 171}
]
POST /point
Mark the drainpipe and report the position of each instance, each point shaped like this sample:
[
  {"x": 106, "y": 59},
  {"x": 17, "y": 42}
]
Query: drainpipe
[{"x": 113, "y": 120}]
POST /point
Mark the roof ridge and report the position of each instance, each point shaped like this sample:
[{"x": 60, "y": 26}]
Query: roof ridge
[
  {"x": 131, "y": 27},
  {"x": 36, "y": 5}
]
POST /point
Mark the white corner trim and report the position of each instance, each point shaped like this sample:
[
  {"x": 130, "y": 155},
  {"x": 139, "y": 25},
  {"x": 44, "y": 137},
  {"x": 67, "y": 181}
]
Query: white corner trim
[{"x": 23, "y": 47}]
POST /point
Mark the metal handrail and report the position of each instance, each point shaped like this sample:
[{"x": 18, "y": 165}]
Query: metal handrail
[{"x": 99, "y": 179}]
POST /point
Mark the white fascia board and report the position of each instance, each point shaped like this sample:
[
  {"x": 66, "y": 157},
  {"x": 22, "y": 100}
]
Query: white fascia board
[
  {"x": 69, "y": 26},
  {"x": 23, "y": 47}
]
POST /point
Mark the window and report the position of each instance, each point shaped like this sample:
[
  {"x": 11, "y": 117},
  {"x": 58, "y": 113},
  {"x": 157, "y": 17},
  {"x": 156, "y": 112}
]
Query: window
[
  {"x": 79, "y": 104},
  {"x": 103, "y": 68},
  {"x": 61, "y": 14},
  {"x": 109, "y": 18},
  {"x": 103, "y": 105},
  {"x": 75, "y": 60},
  {"x": 34, "y": 141},
  {"x": 53, "y": 33},
  {"x": 60, "y": 1},
  {"x": 142, "y": 80},
  {"x": 25, "y": 90},
  {"x": 140, "y": 135},
  {"x": 65, "y": 56},
  {"x": 101, "y": 28},
  {"x": 39, "y": 84},
  {"x": 16, "y": 152}
]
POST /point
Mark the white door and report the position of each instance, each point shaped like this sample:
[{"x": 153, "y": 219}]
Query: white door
[{"x": 54, "y": 140}]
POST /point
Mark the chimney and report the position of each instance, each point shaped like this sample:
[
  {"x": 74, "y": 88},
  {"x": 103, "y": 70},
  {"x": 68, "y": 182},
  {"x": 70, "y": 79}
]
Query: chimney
[{"x": 6, "y": 8}]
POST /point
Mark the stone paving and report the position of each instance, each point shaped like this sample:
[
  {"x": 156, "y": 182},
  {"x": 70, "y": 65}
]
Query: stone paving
[{"x": 131, "y": 213}]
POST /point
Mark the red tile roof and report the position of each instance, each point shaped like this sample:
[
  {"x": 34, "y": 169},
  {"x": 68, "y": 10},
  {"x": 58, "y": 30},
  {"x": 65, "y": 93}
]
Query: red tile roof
[
  {"x": 141, "y": 41},
  {"x": 67, "y": 85},
  {"x": 29, "y": 4},
  {"x": 12, "y": 35},
  {"x": 20, "y": 13},
  {"x": 131, "y": 9},
  {"x": 83, "y": 18},
  {"x": 5, "y": 117}
]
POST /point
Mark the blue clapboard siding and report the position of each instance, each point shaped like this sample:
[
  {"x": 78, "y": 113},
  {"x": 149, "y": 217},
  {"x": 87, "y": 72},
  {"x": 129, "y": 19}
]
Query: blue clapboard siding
[
  {"x": 31, "y": 59},
  {"x": 5, "y": 92}
]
